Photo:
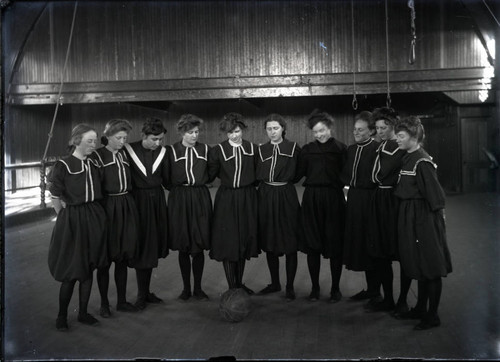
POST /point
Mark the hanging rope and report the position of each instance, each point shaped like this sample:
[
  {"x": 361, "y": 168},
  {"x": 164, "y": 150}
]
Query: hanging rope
[
  {"x": 411, "y": 58},
  {"x": 58, "y": 102},
  {"x": 388, "y": 101},
  {"x": 491, "y": 12},
  {"x": 354, "y": 63}
]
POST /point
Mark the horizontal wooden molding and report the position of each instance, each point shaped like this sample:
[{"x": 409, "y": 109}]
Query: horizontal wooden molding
[{"x": 435, "y": 80}]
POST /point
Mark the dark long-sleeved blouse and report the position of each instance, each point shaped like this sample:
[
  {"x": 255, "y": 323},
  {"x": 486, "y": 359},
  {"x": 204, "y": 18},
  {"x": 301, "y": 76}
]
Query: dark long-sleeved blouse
[
  {"x": 418, "y": 180},
  {"x": 235, "y": 166},
  {"x": 322, "y": 163},
  {"x": 149, "y": 168},
  {"x": 115, "y": 168},
  {"x": 387, "y": 163},
  {"x": 277, "y": 162},
  {"x": 188, "y": 165},
  {"x": 359, "y": 164},
  {"x": 75, "y": 181}
]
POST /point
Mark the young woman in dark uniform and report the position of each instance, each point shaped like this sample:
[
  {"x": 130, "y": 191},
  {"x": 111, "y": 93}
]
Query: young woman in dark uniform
[
  {"x": 121, "y": 211},
  {"x": 234, "y": 226},
  {"x": 278, "y": 203},
  {"x": 421, "y": 226},
  {"x": 357, "y": 175},
  {"x": 149, "y": 170},
  {"x": 383, "y": 245},
  {"x": 322, "y": 213},
  {"x": 78, "y": 243},
  {"x": 189, "y": 204}
]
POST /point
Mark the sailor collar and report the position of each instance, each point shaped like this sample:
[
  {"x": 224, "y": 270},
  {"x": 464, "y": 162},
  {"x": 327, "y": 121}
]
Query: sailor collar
[
  {"x": 285, "y": 148},
  {"x": 180, "y": 151},
  {"x": 229, "y": 151},
  {"x": 389, "y": 147},
  {"x": 74, "y": 165},
  {"x": 107, "y": 158}
]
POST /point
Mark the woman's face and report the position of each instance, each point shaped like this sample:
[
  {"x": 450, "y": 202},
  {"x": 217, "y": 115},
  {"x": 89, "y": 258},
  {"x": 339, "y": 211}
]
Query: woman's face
[
  {"x": 235, "y": 135},
  {"x": 406, "y": 142},
  {"x": 87, "y": 144},
  {"x": 190, "y": 137},
  {"x": 116, "y": 141},
  {"x": 361, "y": 131},
  {"x": 384, "y": 130},
  {"x": 151, "y": 141},
  {"x": 321, "y": 132},
  {"x": 274, "y": 131}
]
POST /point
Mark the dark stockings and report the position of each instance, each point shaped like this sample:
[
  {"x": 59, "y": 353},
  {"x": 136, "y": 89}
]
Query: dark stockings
[
  {"x": 372, "y": 282},
  {"x": 273, "y": 264},
  {"x": 405, "y": 284},
  {"x": 336, "y": 271},
  {"x": 234, "y": 272},
  {"x": 313, "y": 264},
  {"x": 386, "y": 277},
  {"x": 66, "y": 292},
  {"x": 291, "y": 270},
  {"x": 185, "y": 265},
  {"x": 143, "y": 282}
]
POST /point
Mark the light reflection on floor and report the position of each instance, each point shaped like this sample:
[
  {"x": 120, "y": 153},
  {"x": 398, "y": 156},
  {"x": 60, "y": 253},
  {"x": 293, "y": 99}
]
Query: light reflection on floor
[{"x": 24, "y": 200}]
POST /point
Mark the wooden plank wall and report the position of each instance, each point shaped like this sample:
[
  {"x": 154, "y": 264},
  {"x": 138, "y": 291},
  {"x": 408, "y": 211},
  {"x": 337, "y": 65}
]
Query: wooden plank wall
[{"x": 144, "y": 40}]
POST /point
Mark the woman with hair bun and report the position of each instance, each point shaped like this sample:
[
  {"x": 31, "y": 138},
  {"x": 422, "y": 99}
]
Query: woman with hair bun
[
  {"x": 121, "y": 211},
  {"x": 234, "y": 226},
  {"x": 78, "y": 242},
  {"x": 278, "y": 203},
  {"x": 189, "y": 204},
  {"x": 149, "y": 170},
  {"x": 322, "y": 215},
  {"x": 423, "y": 247}
]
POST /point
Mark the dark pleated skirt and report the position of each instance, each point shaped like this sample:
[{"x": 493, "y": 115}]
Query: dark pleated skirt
[
  {"x": 234, "y": 227},
  {"x": 123, "y": 222},
  {"x": 357, "y": 230},
  {"x": 152, "y": 209},
  {"x": 423, "y": 248},
  {"x": 278, "y": 218},
  {"x": 383, "y": 237},
  {"x": 78, "y": 243},
  {"x": 322, "y": 221},
  {"x": 189, "y": 218}
]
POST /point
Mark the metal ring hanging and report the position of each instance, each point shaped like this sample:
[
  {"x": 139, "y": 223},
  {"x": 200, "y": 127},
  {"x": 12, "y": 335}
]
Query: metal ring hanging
[
  {"x": 411, "y": 57},
  {"x": 354, "y": 100}
]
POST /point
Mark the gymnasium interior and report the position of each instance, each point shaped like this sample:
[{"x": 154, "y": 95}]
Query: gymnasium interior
[{"x": 71, "y": 62}]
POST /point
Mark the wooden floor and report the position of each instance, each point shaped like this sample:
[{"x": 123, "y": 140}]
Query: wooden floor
[{"x": 275, "y": 329}]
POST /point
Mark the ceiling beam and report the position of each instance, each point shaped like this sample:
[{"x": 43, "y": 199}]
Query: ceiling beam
[{"x": 438, "y": 80}]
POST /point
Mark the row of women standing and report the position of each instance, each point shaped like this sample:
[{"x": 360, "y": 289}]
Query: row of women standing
[{"x": 128, "y": 180}]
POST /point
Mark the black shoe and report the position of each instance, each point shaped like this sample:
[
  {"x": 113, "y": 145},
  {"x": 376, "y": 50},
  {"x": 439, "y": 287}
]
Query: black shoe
[
  {"x": 62, "y": 323},
  {"x": 314, "y": 296},
  {"x": 87, "y": 319},
  {"x": 401, "y": 309},
  {"x": 363, "y": 295},
  {"x": 427, "y": 323},
  {"x": 271, "y": 288},
  {"x": 152, "y": 298},
  {"x": 126, "y": 307},
  {"x": 140, "y": 304},
  {"x": 335, "y": 296},
  {"x": 200, "y": 295},
  {"x": 247, "y": 289},
  {"x": 382, "y": 306},
  {"x": 104, "y": 311},
  {"x": 290, "y": 294},
  {"x": 369, "y": 305},
  {"x": 413, "y": 313},
  {"x": 185, "y": 295}
]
